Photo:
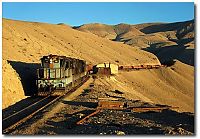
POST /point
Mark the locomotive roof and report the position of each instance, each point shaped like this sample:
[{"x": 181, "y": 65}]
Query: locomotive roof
[{"x": 60, "y": 57}]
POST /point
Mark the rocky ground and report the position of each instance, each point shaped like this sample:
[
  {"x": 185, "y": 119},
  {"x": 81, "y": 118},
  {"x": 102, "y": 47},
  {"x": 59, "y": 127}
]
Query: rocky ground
[{"x": 61, "y": 118}]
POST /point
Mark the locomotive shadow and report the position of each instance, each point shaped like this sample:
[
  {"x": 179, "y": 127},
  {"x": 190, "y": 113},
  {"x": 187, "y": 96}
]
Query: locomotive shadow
[{"x": 27, "y": 73}]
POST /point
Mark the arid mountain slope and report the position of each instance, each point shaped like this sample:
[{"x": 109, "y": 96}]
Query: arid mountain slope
[
  {"x": 120, "y": 32},
  {"x": 170, "y": 86},
  {"x": 24, "y": 43},
  {"x": 160, "y": 31},
  {"x": 173, "y": 44},
  {"x": 28, "y": 42},
  {"x": 153, "y": 37},
  {"x": 182, "y": 34},
  {"x": 11, "y": 85}
]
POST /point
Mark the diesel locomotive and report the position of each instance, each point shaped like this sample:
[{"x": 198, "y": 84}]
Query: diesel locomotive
[{"x": 59, "y": 74}]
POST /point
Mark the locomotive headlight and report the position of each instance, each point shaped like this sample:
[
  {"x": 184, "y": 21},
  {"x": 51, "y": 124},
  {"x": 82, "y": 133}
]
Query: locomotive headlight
[
  {"x": 51, "y": 60},
  {"x": 60, "y": 85}
]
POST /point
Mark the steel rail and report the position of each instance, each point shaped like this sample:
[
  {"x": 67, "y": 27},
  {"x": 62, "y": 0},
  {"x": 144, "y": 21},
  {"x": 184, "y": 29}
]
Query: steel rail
[
  {"x": 25, "y": 108},
  {"x": 8, "y": 125},
  {"x": 25, "y": 114}
]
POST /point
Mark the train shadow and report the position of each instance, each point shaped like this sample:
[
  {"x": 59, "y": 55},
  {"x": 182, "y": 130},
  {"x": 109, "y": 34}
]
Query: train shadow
[{"x": 27, "y": 73}]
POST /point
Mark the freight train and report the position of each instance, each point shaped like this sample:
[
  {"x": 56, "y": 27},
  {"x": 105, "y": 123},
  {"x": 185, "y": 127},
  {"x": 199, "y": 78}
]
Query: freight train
[{"x": 59, "y": 74}]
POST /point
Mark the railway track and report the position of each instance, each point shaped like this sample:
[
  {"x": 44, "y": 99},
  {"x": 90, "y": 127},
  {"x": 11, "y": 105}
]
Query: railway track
[{"x": 12, "y": 121}]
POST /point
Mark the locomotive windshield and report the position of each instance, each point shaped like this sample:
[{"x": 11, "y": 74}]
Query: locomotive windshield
[{"x": 51, "y": 62}]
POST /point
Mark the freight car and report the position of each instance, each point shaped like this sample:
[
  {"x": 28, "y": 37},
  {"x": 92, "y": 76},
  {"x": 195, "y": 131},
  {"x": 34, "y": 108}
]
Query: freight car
[{"x": 59, "y": 74}]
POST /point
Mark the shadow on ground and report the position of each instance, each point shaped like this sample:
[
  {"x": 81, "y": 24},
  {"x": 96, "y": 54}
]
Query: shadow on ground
[
  {"x": 18, "y": 106},
  {"x": 110, "y": 122},
  {"x": 27, "y": 73},
  {"x": 79, "y": 103}
]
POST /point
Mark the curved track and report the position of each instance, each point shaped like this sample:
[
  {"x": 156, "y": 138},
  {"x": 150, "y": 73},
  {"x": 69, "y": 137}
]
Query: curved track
[
  {"x": 12, "y": 121},
  {"x": 21, "y": 116}
]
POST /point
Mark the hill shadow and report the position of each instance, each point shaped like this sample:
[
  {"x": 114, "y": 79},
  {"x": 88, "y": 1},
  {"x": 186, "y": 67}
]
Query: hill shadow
[
  {"x": 18, "y": 106},
  {"x": 168, "y": 54},
  {"x": 28, "y": 75},
  {"x": 165, "y": 27}
]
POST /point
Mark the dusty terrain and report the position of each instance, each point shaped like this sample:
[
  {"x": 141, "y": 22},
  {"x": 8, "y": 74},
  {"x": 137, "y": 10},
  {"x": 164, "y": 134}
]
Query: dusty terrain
[
  {"x": 24, "y": 43},
  {"x": 62, "y": 118},
  {"x": 11, "y": 85}
]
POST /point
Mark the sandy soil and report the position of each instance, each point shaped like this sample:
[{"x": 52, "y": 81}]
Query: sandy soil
[
  {"x": 30, "y": 41},
  {"x": 169, "y": 86},
  {"x": 11, "y": 86}
]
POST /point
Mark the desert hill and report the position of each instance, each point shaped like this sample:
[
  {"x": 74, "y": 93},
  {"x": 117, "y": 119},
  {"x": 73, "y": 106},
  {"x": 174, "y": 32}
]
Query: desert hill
[
  {"x": 115, "y": 32},
  {"x": 158, "y": 38},
  {"x": 161, "y": 31},
  {"x": 11, "y": 85},
  {"x": 24, "y": 43},
  {"x": 29, "y": 41}
]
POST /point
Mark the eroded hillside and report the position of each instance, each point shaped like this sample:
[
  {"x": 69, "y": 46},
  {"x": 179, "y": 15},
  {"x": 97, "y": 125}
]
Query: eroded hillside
[
  {"x": 168, "y": 41},
  {"x": 24, "y": 43},
  {"x": 28, "y": 42}
]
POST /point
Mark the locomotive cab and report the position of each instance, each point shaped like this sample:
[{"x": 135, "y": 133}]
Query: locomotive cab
[
  {"x": 51, "y": 61},
  {"x": 58, "y": 74}
]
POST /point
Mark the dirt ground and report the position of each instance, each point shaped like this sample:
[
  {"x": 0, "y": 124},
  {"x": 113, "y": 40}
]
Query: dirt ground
[{"x": 62, "y": 118}]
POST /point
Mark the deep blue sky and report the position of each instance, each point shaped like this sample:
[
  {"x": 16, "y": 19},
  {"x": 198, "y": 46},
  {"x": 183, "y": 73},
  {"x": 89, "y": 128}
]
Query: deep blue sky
[{"x": 78, "y": 13}]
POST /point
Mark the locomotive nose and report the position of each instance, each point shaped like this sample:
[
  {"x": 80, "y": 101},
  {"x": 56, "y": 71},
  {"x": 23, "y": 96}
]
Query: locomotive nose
[{"x": 50, "y": 83}]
